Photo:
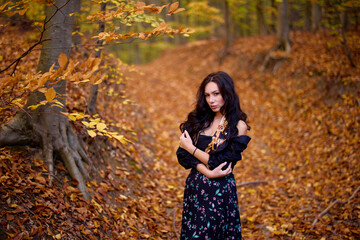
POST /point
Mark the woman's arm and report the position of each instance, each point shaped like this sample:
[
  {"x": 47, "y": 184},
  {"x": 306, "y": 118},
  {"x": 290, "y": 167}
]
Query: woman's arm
[
  {"x": 187, "y": 144},
  {"x": 215, "y": 173}
]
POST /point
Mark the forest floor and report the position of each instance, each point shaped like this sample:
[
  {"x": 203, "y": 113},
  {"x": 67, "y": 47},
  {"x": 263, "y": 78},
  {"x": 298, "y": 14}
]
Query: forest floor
[{"x": 304, "y": 112}]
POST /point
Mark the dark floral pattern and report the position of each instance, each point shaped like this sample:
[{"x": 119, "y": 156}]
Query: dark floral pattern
[{"x": 210, "y": 207}]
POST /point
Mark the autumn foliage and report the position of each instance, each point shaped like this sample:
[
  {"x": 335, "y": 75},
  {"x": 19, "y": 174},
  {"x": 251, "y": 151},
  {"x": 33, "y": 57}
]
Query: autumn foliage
[{"x": 304, "y": 113}]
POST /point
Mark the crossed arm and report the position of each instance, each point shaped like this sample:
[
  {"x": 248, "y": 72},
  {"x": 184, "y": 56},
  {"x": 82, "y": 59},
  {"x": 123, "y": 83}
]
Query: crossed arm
[{"x": 187, "y": 144}]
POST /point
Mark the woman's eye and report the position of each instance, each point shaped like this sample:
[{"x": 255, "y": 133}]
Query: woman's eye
[{"x": 216, "y": 94}]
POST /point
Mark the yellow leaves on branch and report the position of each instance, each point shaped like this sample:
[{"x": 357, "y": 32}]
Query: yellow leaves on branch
[
  {"x": 42, "y": 82},
  {"x": 138, "y": 9},
  {"x": 50, "y": 95},
  {"x": 163, "y": 28},
  {"x": 96, "y": 126},
  {"x": 12, "y": 7}
]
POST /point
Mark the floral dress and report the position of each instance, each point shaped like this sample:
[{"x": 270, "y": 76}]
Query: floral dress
[{"x": 210, "y": 207}]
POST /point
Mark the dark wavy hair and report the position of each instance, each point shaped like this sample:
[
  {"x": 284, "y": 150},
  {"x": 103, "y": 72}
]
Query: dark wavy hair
[{"x": 202, "y": 116}]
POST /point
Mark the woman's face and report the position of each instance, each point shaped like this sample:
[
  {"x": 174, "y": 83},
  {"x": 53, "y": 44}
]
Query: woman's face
[{"x": 213, "y": 96}]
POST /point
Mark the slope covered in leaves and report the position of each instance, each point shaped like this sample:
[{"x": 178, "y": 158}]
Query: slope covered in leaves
[{"x": 304, "y": 114}]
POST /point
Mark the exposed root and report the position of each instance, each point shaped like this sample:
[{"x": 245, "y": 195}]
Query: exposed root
[
  {"x": 54, "y": 134},
  {"x": 272, "y": 61},
  {"x": 14, "y": 132},
  {"x": 58, "y": 136}
]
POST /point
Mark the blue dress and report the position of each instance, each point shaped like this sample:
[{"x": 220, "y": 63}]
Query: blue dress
[{"x": 210, "y": 207}]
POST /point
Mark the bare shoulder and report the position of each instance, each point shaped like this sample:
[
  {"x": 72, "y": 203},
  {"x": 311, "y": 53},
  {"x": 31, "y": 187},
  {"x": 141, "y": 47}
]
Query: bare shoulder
[{"x": 242, "y": 127}]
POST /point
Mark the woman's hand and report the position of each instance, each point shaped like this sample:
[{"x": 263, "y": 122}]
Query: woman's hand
[
  {"x": 218, "y": 172},
  {"x": 186, "y": 142},
  {"x": 215, "y": 173}
]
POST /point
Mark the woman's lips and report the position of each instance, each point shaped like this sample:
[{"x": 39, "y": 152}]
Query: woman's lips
[{"x": 213, "y": 106}]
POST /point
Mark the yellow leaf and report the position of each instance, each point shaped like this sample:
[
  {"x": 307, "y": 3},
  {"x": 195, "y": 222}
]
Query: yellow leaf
[
  {"x": 58, "y": 236},
  {"x": 86, "y": 124},
  {"x": 120, "y": 138},
  {"x": 170, "y": 186},
  {"x": 91, "y": 133},
  {"x": 156, "y": 208},
  {"x": 72, "y": 118},
  {"x": 100, "y": 126},
  {"x": 3, "y": 6},
  {"x": 123, "y": 197},
  {"x": 62, "y": 60},
  {"x": 98, "y": 81},
  {"x": 50, "y": 94}
]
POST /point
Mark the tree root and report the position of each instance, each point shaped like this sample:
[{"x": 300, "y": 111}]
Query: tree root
[
  {"x": 53, "y": 132},
  {"x": 251, "y": 183},
  {"x": 333, "y": 204},
  {"x": 273, "y": 62}
]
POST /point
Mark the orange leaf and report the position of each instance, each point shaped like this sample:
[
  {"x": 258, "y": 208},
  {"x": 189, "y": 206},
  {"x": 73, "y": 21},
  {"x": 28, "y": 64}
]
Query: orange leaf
[
  {"x": 50, "y": 94},
  {"x": 62, "y": 60},
  {"x": 22, "y": 12},
  {"x": 173, "y": 6},
  {"x": 9, "y": 217},
  {"x": 178, "y": 10}
]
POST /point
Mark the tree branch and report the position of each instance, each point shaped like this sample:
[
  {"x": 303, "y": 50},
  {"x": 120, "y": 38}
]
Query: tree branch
[
  {"x": 332, "y": 204},
  {"x": 251, "y": 182}
]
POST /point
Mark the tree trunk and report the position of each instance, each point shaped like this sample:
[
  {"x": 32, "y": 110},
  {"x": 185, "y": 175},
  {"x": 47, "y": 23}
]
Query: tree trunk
[
  {"x": 260, "y": 17},
  {"x": 315, "y": 16},
  {"x": 94, "y": 88},
  {"x": 46, "y": 126},
  {"x": 273, "y": 16},
  {"x": 283, "y": 29},
  {"x": 228, "y": 35},
  {"x": 307, "y": 15},
  {"x": 76, "y": 38},
  {"x": 283, "y": 41}
]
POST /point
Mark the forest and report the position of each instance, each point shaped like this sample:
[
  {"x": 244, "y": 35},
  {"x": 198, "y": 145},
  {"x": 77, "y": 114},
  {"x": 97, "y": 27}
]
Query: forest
[{"x": 93, "y": 92}]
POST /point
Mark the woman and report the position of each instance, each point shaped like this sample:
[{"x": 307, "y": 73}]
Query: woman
[{"x": 218, "y": 128}]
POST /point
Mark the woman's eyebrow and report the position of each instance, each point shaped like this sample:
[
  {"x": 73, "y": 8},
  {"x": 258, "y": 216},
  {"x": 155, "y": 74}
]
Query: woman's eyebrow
[{"x": 215, "y": 91}]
